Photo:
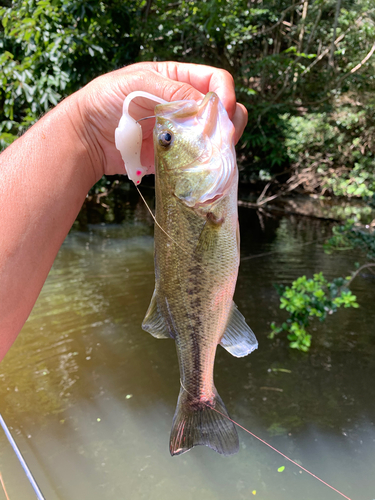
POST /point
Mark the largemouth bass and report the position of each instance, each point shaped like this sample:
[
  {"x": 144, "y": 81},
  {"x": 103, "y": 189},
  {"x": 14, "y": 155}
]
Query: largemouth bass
[{"x": 196, "y": 263}]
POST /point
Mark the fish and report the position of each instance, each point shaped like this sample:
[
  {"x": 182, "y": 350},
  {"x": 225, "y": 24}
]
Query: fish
[{"x": 196, "y": 263}]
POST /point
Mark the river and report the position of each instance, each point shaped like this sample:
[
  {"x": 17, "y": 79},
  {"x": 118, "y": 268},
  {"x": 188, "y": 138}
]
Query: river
[{"x": 89, "y": 397}]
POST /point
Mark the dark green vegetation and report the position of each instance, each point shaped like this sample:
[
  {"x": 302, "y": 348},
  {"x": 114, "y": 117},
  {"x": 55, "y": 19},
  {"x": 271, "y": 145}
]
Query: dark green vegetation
[{"x": 304, "y": 69}]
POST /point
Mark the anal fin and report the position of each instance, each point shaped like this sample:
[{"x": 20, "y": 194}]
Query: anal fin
[
  {"x": 154, "y": 322},
  {"x": 238, "y": 338}
]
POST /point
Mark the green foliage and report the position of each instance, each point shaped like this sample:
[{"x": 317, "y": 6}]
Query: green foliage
[
  {"x": 313, "y": 298},
  {"x": 349, "y": 236},
  {"x": 359, "y": 182},
  {"x": 337, "y": 147},
  {"x": 281, "y": 64},
  {"x": 307, "y": 299},
  {"x": 50, "y": 48},
  {"x": 307, "y": 110}
]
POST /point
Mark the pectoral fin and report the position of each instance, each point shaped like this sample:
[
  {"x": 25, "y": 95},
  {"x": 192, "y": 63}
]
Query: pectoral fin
[
  {"x": 238, "y": 338},
  {"x": 208, "y": 238},
  {"x": 207, "y": 241},
  {"x": 154, "y": 322}
]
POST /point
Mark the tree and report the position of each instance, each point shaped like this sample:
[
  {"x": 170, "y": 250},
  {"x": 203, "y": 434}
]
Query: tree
[{"x": 50, "y": 48}]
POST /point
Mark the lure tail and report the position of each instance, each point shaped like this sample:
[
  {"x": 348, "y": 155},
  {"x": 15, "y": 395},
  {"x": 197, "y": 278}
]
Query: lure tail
[{"x": 196, "y": 423}]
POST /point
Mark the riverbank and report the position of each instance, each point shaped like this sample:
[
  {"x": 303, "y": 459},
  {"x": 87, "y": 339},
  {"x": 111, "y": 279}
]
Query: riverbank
[{"x": 110, "y": 202}]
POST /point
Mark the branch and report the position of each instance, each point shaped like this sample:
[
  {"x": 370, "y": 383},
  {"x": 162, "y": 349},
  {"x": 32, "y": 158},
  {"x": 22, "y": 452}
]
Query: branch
[
  {"x": 263, "y": 193},
  {"x": 262, "y": 201},
  {"x": 313, "y": 30},
  {"x": 148, "y": 7},
  {"x": 338, "y": 40},
  {"x": 303, "y": 20},
  {"x": 332, "y": 49},
  {"x": 356, "y": 68},
  {"x": 358, "y": 271},
  {"x": 340, "y": 80},
  {"x": 320, "y": 57},
  {"x": 283, "y": 14},
  {"x": 324, "y": 53}
]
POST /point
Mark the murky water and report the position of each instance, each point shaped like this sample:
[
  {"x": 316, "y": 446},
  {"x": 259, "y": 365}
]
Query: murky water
[{"x": 90, "y": 397}]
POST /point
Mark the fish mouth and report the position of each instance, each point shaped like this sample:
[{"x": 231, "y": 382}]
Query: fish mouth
[
  {"x": 176, "y": 110},
  {"x": 208, "y": 111}
]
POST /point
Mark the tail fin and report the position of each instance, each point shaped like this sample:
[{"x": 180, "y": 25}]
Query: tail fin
[{"x": 195, "y": 424}]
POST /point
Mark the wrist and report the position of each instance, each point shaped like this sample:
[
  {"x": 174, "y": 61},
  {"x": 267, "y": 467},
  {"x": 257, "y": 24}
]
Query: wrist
[{"x": 82, "y": 136}]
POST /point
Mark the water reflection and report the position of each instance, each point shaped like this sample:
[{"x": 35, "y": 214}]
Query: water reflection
[{"x": 90, "y": 397}]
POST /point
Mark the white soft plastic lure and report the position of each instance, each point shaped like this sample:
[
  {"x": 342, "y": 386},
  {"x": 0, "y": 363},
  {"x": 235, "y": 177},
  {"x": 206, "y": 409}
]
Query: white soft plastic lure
[{"x": 128, "y": 138}]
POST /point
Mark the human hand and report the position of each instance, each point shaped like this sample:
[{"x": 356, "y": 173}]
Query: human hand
[{"x": 99, "y": 105}]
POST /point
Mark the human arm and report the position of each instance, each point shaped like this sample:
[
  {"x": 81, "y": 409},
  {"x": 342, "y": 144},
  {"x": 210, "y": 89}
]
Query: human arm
[{"x": 46, "y": 174}]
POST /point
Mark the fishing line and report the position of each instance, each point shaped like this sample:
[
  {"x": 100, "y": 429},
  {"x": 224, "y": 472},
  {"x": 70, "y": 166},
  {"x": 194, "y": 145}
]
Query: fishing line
[
  {"x": 248, "y": 257},
  {"x": 270, "y": 446},
  {"x": 217, "y": 411},
  {"x": 282, "y": 454},
  {"x": 3, "y": 485},
  {"x": 157, "y": 223},
  {"x": 242, "y": 258},
  {"x": 165, "y": 232},
  {"x": 16, "y": 450}
]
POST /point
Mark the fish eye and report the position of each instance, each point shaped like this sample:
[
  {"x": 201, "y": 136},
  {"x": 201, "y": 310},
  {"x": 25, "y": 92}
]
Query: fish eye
[{"x": 165, "y": 138}]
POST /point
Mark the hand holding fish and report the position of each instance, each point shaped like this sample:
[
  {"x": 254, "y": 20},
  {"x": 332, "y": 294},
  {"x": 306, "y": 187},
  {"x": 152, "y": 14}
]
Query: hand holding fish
[
  {"x": 45, "y": 174},
  {"x": 101, "y": 103}
]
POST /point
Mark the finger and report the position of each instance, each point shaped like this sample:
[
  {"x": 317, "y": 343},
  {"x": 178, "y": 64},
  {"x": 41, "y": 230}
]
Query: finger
[
  {"x": 146, "y": 78},
  {"x": 207, "y": 79},
  {"x": 239, "y": 120},
  {"x": 202, "y": 78}
]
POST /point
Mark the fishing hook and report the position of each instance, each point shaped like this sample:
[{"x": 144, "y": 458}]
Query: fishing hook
[{"x": 145, "y": 118}]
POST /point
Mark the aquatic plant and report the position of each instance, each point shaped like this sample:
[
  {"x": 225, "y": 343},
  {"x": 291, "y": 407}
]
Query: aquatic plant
[
  {"x": 307, "y": 299},
  {"x": 351, "y": 235}
]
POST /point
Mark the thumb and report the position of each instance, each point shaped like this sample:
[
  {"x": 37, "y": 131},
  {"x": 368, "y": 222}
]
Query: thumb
[{"x": 239, "y": 120}]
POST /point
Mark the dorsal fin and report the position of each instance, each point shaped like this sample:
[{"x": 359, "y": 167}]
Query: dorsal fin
[
  {"x": 238, "y": 338},
  {"x": 154, "y": 322}
]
